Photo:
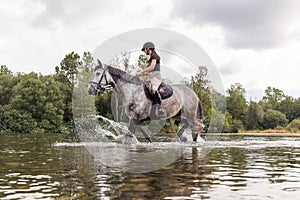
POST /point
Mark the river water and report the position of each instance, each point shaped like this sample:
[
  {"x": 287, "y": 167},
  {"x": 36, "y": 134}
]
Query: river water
[{"x": 50, "y": 166}]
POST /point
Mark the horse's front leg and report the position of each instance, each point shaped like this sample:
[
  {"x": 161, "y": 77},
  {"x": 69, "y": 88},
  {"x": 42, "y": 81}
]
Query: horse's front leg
[
  {"x": 129, "y": 136},
  {"x": 132, "y": 128},
  {"x": 145, "y": 132},
  {"x": 181, "y": 130}
]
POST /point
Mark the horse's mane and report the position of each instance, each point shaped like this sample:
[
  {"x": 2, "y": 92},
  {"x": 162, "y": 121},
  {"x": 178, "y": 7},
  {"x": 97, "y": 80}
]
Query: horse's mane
[{"x": 118, "y": 74}]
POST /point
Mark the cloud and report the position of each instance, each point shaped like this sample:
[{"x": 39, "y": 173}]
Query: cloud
[
  {"x": 73, "y": 12},
  {"x": 247, "y": 24},
  {"x": 37, "y": 34}
]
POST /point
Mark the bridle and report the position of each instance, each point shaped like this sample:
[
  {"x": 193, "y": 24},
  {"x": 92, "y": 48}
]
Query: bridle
[{"x": 107, "y": 85}]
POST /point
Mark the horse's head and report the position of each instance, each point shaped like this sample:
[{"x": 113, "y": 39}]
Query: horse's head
[{"x": 102, "y": 80}]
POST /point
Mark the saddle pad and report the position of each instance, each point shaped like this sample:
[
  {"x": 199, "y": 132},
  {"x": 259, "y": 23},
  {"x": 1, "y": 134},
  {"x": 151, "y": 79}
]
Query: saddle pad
[{"x": 164, "y": 90}]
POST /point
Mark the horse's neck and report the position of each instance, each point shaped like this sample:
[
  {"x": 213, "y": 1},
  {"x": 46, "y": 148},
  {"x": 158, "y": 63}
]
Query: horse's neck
[
  {"x": 125, "y": 89},
  {"x": 125, "y": 83}
]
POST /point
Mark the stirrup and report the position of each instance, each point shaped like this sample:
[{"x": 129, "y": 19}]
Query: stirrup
[{"x": 161, "y": 111}]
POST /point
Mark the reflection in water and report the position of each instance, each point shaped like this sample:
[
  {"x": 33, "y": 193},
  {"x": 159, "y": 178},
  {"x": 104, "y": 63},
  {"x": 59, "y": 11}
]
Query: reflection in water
[{"x": 239, "y": 167}]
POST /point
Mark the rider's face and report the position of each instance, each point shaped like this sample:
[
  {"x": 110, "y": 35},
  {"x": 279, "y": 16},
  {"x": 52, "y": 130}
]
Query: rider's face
[{"x": 147, "y": 51}]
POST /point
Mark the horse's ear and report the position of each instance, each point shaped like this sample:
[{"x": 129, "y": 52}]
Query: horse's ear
[{"x": 100, "y": 64}]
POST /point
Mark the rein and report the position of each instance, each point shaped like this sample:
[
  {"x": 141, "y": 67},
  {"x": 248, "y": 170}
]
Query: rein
[
  {"x": 116, "y": 75},
  {"x": 102, "y": 87}
]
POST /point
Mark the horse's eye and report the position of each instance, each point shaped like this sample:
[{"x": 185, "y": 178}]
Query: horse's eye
[{"x": 98, "y": 73}]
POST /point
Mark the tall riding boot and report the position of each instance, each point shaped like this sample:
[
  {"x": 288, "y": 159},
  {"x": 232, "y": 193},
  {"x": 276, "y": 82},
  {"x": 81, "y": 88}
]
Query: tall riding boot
[{"x": 160, "y": 110}]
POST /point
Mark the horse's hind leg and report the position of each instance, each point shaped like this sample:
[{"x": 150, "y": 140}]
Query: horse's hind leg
[
  {"x": 181, "y": 130},
  {"x": 194, "y": 136}
]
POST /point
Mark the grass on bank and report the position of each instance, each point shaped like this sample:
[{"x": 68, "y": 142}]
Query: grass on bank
[{"x": 270, "y": 131}]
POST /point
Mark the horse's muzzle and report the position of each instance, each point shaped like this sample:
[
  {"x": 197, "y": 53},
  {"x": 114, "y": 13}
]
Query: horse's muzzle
[{"x": 92, "y": 90}]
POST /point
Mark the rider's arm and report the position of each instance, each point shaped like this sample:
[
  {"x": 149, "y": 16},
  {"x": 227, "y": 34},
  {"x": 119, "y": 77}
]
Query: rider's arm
[{"x": 149, "y": 69}]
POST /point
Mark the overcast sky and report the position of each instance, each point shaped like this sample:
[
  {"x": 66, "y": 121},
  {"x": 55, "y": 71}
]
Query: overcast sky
[{"x": 252, "y": 42}]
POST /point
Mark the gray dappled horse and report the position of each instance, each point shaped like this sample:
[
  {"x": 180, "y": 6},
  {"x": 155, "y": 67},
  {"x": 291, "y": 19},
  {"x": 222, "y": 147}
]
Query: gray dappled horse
[{"x": 180, "y": 103}]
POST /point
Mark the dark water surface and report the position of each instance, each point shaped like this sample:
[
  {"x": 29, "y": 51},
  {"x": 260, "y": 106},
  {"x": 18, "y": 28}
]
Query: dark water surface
[{"x": 238, "y": 167}]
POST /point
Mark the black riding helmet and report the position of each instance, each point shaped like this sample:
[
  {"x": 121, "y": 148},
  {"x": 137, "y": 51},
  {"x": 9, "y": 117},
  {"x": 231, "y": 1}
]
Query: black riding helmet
[{"x": 149, "y": 45}]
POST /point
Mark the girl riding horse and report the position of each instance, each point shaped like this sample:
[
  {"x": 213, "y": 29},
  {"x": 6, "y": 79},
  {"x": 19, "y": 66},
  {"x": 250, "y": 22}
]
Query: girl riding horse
[{"x": 153, "y": 71}]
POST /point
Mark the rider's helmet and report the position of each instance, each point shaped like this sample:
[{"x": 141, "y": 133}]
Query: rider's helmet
[{"x": 149, "y": 45}]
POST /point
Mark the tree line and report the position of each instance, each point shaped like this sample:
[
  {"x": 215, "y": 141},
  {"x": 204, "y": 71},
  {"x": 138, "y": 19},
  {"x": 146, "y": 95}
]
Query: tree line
[
  {"x": 275, "y": 110},
  {"x": 40, "y": 103},
  {"x": 43, "y": 103}
]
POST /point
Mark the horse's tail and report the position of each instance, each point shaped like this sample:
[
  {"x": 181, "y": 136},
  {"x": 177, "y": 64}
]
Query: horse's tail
[{"x": 200, "y": 113}]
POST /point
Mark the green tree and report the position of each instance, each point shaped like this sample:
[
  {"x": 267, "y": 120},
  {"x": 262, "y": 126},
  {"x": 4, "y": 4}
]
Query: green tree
[
  {"x": 201, "y": 86},
  {"x": 5, "y": 71},
  {"x": 17, "y": 121},
  {"x": 6, "y": 84},
  {"x": 272, "y": 98},
  {"x": 42, "y": 98},
  {"x": 87, "y": 62},
  {"x": 237, "y": 125},
  {"x": 290, "y": 107},
  {"x": 83, "y": 103},
  {"x": 255, "y": 116},
  {"x": 273, "y": 118},
  {"x": 103, "y": 104},
  {"x": 69, "y": 67},
  {"x": 227, "y": 123},
  {"x": 236, "y": 103},
  {"x": 295, "y": 111},
  {"x": 67, "y": 74},
  {"x": 216, "y": 124}
]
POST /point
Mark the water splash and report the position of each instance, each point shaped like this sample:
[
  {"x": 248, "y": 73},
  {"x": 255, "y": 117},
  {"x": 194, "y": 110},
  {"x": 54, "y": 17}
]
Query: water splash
[
  {"x": 96, "y": 128},
  {"x": 112, "y": 144}
]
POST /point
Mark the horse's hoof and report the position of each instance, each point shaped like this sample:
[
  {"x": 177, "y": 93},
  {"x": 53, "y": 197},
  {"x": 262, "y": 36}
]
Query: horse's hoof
[
  {"x": 183, "y": 139},
  {"x": 129, "y": 135},
  {"x": 195, "y": 139},
  {"x": 148, "y": 140},
  {"x": 129, "y": 139}
]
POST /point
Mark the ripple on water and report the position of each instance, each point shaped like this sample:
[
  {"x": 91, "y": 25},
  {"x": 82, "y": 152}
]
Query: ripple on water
[
  {"x": 25, "y": 186},
  {"x": 264, "y": 168}
]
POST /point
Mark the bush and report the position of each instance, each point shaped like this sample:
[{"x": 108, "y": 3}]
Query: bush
[
  {"x": 294, "y": 126},
  {"x": 227, "y": 128},
  {"x": 273, "y": 118},
  {"x": 12, "y": 120},
  {"x": 237, "y": 125}
]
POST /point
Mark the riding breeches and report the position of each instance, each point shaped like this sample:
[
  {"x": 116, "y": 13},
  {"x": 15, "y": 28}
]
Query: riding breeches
[{"x": 155, "y": 79}]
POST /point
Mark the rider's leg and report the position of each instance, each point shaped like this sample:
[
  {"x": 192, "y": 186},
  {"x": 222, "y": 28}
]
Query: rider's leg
[
  {"x": 155, "y": 79},
  {"x": 160, "y": 109}
]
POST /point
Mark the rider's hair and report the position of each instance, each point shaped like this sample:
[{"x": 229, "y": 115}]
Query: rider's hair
[{"x": 154, "y": 52}]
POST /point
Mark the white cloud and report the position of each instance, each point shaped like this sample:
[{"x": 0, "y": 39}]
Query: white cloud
[
  {"x": 36, "y": 35},
  {"x": 247, "y": 24}
]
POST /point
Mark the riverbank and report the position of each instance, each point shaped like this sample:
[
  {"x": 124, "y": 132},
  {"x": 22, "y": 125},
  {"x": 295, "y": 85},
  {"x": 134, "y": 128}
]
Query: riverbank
[
  {"x": 261, "y": 134},
  {"x": 283, "y": 131}
]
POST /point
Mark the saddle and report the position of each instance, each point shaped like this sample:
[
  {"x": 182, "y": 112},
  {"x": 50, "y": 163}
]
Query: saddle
[{"x": 164, "y": 90}]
